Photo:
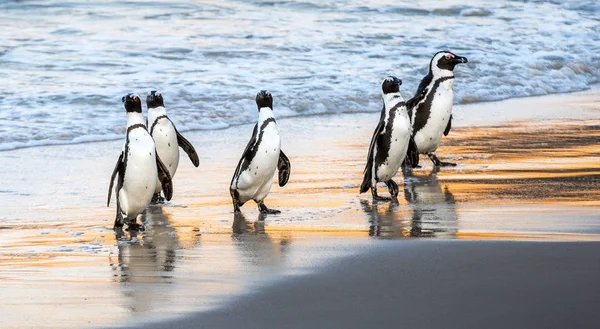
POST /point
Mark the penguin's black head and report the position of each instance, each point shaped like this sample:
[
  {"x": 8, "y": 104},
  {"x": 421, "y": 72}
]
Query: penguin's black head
[
  {"x": 445, "y": 60},
  {"x": 132, "y": 103},
  {"x": 264, "y": 99},
  {"x": 391, "y": 85},
  {"x": 154, "y": 99}
]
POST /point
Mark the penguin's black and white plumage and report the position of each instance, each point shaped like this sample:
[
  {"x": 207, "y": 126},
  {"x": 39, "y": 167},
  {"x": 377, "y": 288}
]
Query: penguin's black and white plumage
[
  {"x": 432, "y": 116},
  {"x": 254, "y": 173},
  {"x": 137, "y": 168},
  {"x": 390, "y": 141},
  {"x": 166, "y": 137}
]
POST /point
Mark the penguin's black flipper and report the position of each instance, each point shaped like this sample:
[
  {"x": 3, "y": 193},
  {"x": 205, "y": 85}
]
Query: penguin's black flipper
[
  {"x": 165, "y": 178},
  {"x": 419, "y": 96},
  {"x": 187, "y": 147},
  {"x": 247, "y": 152},
  {"x": 284, "y": 167},
  {"x": 424, "y": 83},
  {"x": 118, "y": 169},
  {"x": 448, "y": 127},
  {"x": 368, "y": 174}
]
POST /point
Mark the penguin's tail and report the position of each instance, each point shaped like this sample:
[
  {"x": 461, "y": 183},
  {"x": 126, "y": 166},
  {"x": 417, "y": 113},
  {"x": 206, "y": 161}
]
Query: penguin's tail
[{"x": 366, "y": 183}]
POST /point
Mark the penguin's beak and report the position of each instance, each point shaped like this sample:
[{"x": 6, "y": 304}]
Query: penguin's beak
[
  {"x": 459, "y": 60},
  {"x": 398, "y": 81}
]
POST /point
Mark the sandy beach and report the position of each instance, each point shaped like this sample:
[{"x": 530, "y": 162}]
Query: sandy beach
[{"x": 509, "y": 236}]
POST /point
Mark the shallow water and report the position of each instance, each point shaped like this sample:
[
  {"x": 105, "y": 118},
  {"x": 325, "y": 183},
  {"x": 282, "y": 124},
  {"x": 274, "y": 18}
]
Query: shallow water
[{"x": 64, "y": 65}]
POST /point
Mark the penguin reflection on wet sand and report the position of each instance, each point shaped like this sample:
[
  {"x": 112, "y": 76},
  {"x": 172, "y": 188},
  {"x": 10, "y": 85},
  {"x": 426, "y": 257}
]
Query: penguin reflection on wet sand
[
  {"x": 137, "y": 168},
  {"x": 256, "y": 246},
  {"x": 390, "y": 140},
  {"x": 432, "y": 211},
  {"x": 433, "y": 207},
  {"x": 167, "y": 139},
  {"x": 254, "y": 173},
  {"x": 146, "y": 258},
  {"x": 432, "y": 116}
]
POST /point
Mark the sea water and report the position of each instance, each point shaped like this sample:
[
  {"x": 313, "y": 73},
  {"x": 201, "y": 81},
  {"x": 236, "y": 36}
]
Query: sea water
[{"x": 64, "y": 65}]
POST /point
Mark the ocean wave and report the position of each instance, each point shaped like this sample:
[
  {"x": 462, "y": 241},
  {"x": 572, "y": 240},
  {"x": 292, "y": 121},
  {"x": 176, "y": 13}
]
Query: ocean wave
[{"x": 64, "y": 66}]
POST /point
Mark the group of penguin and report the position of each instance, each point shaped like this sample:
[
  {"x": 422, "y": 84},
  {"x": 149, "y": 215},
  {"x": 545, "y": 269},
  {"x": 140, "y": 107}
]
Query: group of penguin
[{"x": 406, "y": 129}]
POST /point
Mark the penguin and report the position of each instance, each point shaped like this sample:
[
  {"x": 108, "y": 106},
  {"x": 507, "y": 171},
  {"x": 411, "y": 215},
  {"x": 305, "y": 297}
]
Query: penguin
[
  {"x": 254, "y": 173},
  {"x": 390, "y": 141},
  {"x": 137, "y": 168},
  {"x": 167, "y": 138},
  {"x": 432, "y": 116}
]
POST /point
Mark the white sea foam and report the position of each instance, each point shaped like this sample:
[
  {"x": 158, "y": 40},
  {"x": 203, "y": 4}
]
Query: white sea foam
[{"x": 65, "y": 65}]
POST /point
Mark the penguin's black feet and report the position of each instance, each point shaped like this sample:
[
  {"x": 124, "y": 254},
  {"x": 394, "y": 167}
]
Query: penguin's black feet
[
  {"x": 264, "y": 210},
  {"x": 393, "y": 188},
  {"x": 157, "y": 199},
  {"x": 438, "y": 163},
  {"x": 118, "y": 225},
  {"x": 376, "y": 197},
  {"x": 134, "y": 227},
  {"x": 118, "y": 220}
]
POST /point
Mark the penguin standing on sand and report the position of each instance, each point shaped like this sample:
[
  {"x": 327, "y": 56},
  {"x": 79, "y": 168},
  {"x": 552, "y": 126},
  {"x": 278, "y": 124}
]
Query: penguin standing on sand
[
  {"x": 390, "y": 140},
  {"x": 254, "y": 173},
  {"x": 137, "y": 168},
  {"x": 432, "y": 116},
  {"x": 167, "y": 138}
]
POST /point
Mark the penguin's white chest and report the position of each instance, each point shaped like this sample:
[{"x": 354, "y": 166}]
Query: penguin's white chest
[
  {"x": 255, "y": 182},
  {"x": 140, "y": 173},
  {"x": 428, "y": 139},
  {"x": 400, "y": 136}
]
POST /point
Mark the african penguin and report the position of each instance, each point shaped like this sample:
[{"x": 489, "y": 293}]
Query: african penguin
[
  {"x": 254, "y": 173},
  {"x": 166, "y": 137},
  {"x": 137, "y": 168},
  {"x": 432, "y": 116},
  {"x": 390, "y": 141}
]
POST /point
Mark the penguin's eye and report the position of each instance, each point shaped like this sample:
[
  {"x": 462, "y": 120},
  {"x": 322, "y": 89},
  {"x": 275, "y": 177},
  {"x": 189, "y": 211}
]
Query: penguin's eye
[{"x": 449, "y": 57}]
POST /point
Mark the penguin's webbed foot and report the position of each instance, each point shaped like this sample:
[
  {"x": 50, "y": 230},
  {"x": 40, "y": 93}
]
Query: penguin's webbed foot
[
  {"x": 135, "y": 227},
  {"x": 438, "y": 163},
  {"x": 376, "y": 197},
  {"x": 264, "y": 210},
  {"x": 157, "y": 199},
  {"x": 393, "y": 188}
]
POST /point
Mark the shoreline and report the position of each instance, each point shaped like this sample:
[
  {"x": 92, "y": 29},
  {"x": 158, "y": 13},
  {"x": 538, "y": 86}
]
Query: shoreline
[{"x": 468, "y": 107}]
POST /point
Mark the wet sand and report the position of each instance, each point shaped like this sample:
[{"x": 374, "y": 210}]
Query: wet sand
[
  {"x": 429, "y": 284},
  {"x": 528, "y": 170}
]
